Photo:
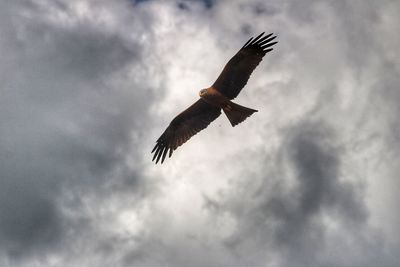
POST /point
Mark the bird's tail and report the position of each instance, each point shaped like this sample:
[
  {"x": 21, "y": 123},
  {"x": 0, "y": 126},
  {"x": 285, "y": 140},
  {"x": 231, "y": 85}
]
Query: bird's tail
[{"x": 237, "y": 113}]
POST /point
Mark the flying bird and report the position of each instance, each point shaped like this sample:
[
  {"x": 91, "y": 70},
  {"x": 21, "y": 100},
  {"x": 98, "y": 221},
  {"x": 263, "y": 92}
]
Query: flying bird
[{"x": 228, "y": 85}]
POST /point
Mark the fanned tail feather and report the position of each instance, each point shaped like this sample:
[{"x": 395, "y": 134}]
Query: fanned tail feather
[{"x": 237, "y": 113}]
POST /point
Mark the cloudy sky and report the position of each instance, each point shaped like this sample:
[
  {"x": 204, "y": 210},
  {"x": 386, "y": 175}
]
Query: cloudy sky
[{"x": 87, "y": 86}]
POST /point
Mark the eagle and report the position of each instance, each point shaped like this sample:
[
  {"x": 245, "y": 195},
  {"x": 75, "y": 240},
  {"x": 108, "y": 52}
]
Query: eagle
[{"x": 228, "y": 85}]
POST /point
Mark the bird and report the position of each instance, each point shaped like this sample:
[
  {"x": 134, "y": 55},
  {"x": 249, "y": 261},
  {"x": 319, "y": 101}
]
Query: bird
[{"x": 218, "y": 97}]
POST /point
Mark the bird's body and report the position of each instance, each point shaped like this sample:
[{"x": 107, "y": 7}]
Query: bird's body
[
  {"x": 235, "y": 113},
  {"x": 216, "y": 98},
  {"x": 213, "y": 97}
]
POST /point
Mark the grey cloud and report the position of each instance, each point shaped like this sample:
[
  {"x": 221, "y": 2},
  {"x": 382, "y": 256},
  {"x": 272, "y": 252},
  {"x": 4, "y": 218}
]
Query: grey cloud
[
  {"x": 92, "y": 53},
  {"x": 318, "y": 166},
  {"x": 29, "y": 221},
  {"x": 69, "y": 116},
  {"x": 183, "y": 3},
  {"x": 207, "y": 3},
  {"x": 320, "y": 192},
  {"x": 300, "y": 194}
]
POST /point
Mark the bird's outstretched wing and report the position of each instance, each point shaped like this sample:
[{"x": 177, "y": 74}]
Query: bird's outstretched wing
[
  {"x": 239, "y": 68},
  {"x": 191, "y": 121}
]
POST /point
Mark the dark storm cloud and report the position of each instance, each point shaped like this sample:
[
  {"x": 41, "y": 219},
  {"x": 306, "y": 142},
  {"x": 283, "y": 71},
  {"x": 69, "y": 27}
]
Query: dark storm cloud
[
  {"x": 182, "y": 4},
  {"x": 68, "y": 114},
  {"x": 28, "y": 221},
  {"x": 320, "y": 190},
  {"x": 318, "y": 167},
  {"x": 301, "y": 194}
]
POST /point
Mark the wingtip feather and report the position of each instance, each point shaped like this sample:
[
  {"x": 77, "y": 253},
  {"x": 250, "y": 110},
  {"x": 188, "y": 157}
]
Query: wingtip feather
[
  {"x": 154, "y": 148},
  {"x": 256, "y": 39},
  {"x": 159, "y": 155},
  {"x": 164, "y": 154},
  {"x": 261, "y": 41},
  {"x": 156, "y": 153},
  {"x": 268, "y": 45},
  {"x": 247, "y": 42},
  {"x": 266, "y": 41},
  {"x": 264, "y": 38}
]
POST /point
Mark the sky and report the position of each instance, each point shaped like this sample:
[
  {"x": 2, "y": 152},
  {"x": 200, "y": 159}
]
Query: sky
[{"x": 87, "y": 87}]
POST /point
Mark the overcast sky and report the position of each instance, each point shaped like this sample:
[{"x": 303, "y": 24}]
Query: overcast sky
[{"x": 311, "y": 180}]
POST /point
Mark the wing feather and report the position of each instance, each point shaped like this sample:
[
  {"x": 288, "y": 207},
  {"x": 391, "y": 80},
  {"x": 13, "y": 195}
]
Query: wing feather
[
  {"x": 188, "y": 123},
  {"x": 237, "y": 71}
]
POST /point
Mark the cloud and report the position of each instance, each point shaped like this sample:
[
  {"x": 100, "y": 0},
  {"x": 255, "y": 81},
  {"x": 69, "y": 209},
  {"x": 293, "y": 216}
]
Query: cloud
[
  {"x": 86, "y": 88},
  {"x": 296, "y": 203},
  {"x": 28, "y": 222},
  {"x": 71, "y": 113}
]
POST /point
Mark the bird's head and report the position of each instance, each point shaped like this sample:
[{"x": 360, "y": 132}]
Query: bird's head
[{"x": 202, "y": 92}]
